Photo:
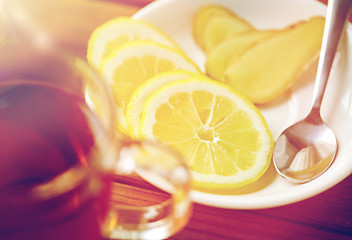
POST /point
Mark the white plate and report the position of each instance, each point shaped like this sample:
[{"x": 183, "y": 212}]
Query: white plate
[{"x": 175, "y": 17}]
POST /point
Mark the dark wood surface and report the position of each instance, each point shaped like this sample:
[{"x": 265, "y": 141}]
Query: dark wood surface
[{"x": 325, "y": 216}]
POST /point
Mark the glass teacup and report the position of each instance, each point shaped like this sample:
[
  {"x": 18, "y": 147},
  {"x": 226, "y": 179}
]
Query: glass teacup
[{"x": 65, "y": 172}]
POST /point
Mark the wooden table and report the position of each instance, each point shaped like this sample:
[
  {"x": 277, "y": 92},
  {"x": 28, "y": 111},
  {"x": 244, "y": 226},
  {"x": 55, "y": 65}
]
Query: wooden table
[{"x": 325, "y": 216}]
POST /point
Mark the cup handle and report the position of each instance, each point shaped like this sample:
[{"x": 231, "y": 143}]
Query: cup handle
[{"x": 151, "y": 193}]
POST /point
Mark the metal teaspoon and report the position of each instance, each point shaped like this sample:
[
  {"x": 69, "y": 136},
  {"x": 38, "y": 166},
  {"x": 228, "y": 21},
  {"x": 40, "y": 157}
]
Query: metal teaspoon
[{"x": 307, "y": 149}]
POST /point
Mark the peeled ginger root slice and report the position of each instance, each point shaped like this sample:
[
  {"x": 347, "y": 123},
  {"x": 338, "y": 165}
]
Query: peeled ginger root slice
[{"x": 268, "y": 69}]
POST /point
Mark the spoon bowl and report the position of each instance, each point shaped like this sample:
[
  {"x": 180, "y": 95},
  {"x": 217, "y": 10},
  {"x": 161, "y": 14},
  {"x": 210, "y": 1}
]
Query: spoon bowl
[{"x": 307, "y": 149}]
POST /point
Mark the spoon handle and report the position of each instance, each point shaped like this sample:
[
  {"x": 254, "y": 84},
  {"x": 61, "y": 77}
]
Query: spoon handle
[{"x": 337, "y": 12}]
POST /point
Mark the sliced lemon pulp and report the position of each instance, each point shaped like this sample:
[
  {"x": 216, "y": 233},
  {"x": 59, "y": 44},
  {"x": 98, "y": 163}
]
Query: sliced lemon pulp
[
  {"x": 224, "y": 138},
  {"x": 116, "y": 32},
  {"x": 134, "y": 63},
  {"x": 135, "y": 106}
]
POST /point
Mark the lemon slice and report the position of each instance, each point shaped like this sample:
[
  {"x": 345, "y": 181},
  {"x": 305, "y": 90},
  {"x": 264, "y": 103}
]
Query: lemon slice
[
  {"x": 223, "y": 136},
  {"x": 135, "y": 106},
  {"x": 133, "y": 64},
  {"x": 116, "y": 32}
]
